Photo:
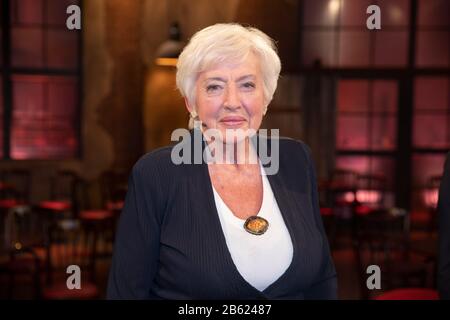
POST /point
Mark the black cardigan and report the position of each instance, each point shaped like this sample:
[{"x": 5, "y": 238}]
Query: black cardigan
[
  {"x": 444, "y": 233},
  {"x": 170, "y": 245}
]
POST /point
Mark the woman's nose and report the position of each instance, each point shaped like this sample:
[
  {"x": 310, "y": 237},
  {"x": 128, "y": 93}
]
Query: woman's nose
[{"x": 232, "y": 100}]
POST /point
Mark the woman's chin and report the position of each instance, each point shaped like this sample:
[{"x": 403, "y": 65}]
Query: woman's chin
[{"x": 234, "y": 135}]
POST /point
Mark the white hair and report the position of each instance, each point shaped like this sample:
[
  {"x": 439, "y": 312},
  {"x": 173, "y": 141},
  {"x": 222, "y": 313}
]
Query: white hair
[{"x": 226, "y": 42}]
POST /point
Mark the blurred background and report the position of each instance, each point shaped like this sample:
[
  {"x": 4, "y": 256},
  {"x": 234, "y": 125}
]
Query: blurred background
[{"x": 79, "y": 107}]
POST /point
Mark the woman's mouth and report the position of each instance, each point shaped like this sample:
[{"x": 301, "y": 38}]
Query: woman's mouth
[{"x": 232, "y": 121}]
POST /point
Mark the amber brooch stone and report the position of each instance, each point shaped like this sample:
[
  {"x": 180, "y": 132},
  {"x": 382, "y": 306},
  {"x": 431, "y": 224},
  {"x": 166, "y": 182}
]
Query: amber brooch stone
[{"x": 256, "y": 225}]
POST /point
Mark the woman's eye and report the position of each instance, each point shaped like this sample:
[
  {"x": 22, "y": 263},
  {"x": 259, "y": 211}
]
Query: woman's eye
[
  {"x": 213, "y": 88},
  {"x": 248, "y": 85}
]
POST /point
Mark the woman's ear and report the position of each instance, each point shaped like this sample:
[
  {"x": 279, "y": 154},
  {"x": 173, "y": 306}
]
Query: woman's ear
[
  {"x": 188, "y": 105},
  {"x": 190, "y": 108}
]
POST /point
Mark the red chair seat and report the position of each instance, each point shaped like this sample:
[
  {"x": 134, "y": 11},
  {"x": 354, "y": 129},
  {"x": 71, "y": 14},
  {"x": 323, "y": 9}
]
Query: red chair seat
[
  {"x": 409, "y": 294},
  {"x": 115, "y": 205},
  {"x": 55, "y": 205},
  {"x": 60, "y": 291},
  {"x": 324, "y": 211},
  {"x": 420, "y": 216},
  {"x": 363, "y": 210},
  {"x": 10, "y": 203},
  {"x": 95, "y": 214}
]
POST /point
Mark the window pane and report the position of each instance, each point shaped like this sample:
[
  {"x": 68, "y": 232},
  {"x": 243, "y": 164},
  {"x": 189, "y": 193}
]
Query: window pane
[
  {"x": 359, "y": 164},
  {"x": 352, "y": 133},
  {"x": 431, "y": 93},
  {"x": 62, "y": 49},
  {"x": 430, "y": 131},
  {"x": 26, "y": 11},
  {"x": 425, "y": 167},
  {"x": 56, "y": 11},
  {"x": 384, "y": 166},
  {"x": 385, "y": 98},
  {"x": 353, "y": 12},
  {"x": 434, "y": 12},
  {"x": 391, "y": 48},
  {"x": 432, "y": 48},
  {"x": 27, "y": 47},
  {"x": 321, "y": 12},
  {"x": 353, "y": 95},
  {"x": 62, "y": 99},
  {"x": 394, "y": 12},
  {"x": 384, "y": 132},
  {"x": 354, "y": 49},
  {"x": 43, "y": 122},
  {"x": 319, "y": 45}
]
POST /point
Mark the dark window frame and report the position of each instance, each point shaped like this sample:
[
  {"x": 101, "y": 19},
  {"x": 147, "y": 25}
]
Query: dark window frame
[
  {"x": 405, "y": 76},
  {"x": 7, "y": 70}
]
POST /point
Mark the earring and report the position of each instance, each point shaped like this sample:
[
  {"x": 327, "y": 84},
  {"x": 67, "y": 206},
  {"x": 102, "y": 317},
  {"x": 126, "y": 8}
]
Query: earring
[{"x": 194, "y": 114}]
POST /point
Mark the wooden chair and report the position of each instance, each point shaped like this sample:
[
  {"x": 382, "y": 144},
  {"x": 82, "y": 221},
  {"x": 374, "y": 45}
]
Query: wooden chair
[
  {"x": 24, "y": 242},
  {"x": 64, "y": 200},
  {"x": 70, "y": 244},
  {"x": 383, "y": 240},
  {"x": 370, "y": 194},
  {"x": 16, "y": 185},
  {"x": 338, "y": 203}
]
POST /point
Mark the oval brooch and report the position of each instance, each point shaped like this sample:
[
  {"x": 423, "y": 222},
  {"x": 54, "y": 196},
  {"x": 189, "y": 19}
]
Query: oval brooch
[{"x": 256, "y": 225}]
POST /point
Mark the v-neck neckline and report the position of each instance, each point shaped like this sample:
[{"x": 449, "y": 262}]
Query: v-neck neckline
[
  {"x": 283, "y": 201},
  {"x": 265, "y": 202}
]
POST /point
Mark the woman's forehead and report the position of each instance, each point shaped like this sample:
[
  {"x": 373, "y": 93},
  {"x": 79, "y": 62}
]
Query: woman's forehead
[{"x": 248, "y": 66}]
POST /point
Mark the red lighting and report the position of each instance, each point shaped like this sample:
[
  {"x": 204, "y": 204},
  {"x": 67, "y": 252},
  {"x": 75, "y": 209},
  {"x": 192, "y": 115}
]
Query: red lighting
[
  {"x": 430, "y": 197},
  {"x": 349, "y": 197},
  {"x": 368, "y": 196}
]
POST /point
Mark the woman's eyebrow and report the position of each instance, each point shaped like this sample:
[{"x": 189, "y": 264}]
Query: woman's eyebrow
[
  {"x": 215, "y": 79},
  {"x": 245, "y": 77}
]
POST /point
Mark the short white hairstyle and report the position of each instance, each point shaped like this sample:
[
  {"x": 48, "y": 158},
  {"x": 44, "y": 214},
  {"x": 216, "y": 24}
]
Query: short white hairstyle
[{"x": 224, "y": 43}]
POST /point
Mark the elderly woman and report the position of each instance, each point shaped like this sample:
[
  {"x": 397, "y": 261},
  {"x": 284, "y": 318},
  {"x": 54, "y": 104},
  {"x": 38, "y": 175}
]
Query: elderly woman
[{"x": 224, "y": 229}]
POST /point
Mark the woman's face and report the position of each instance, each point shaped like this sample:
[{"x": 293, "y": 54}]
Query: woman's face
[{"x": 231, "y": 96}]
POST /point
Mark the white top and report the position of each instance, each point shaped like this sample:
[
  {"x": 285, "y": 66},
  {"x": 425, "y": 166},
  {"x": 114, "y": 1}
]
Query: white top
[{"x": 260, "y": 259}]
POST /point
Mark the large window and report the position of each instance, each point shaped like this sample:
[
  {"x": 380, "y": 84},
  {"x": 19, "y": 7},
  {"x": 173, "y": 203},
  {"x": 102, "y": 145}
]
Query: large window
[
  {"x": 431, "y": 135},
  {"x": 335, "y": 32},
  {"x": 366, "y": 137},
  {"x": 393, "y": 105},
  {"x": 40, "y": 81}
]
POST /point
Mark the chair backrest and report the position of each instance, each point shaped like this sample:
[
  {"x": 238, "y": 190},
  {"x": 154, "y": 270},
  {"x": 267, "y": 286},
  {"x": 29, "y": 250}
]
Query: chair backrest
[
  {"x": 19, "y": 181},
  {"x": 68, "y": 185},
  {"x": 343, "y": 179},
  {"x": 113, "y": 185},
  {"x": 23, "y": 228},
  {"x": 371, "y": 189},
  {"x": 70, "y": 244},
  {"x": 63, "y": 185},
  {"x": 383, "y": 240}
]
